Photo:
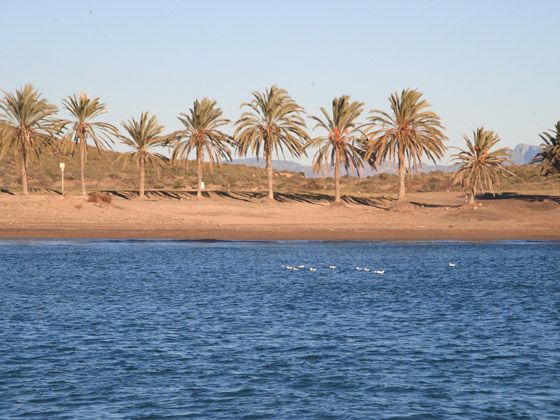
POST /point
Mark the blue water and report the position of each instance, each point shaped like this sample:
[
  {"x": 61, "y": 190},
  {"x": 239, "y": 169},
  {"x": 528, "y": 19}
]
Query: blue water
[{"x": 105, "y": 329}]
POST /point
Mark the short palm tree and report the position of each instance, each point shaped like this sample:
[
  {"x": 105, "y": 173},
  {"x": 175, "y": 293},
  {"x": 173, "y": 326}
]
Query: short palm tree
[
  {"x": 549, "y": 157},
  {"x": 84, "y": 110},
  {"x": 340, "y": 144},
  {"x": 202, "y": 134},
  {"x": 274, "y": 122},
  {"x": 480, "y": 168},
  {"x": 28, "y": 126},
  {"x": 410, "y": 131},
  {"x": 143, "y": 136}
]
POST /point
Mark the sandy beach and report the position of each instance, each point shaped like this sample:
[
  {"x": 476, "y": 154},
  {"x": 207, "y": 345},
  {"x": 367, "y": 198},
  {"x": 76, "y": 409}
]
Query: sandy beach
[{"x": 247, "y": 216}]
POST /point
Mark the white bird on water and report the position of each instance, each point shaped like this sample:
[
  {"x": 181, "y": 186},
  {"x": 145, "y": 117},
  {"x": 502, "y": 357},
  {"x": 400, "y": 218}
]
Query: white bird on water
[
  {"x": 381, "y": 272},
  {"x": 332, "y": 267},
  {"x": 367, "y": 270},
  {"x": 301, "y": 266},
  {"x": 312, "y": 269},
  {"x": 452, "y": 264},
  {"x": 359, "y": 269}
]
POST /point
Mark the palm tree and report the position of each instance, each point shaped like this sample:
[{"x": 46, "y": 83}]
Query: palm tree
[
  {"x": 549, "y": 157},
  {"x": 28, "y": 126},
  {"x": 84, "y": 110},
  {"x": 143, "y": 136},
  {"x": 406, "y": 134},
  {"x": 479, "y": 167},
  {"x": 273, "y": 123},
  {"x": 339, "y": 145},
  {"x": 203, "y": 135}
]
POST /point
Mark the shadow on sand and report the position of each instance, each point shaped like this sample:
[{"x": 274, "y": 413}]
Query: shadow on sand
[
  {"x": 379, "y": 202},
  {"x": 434, "y": 205},
  {"x": 524, "y": 197}
]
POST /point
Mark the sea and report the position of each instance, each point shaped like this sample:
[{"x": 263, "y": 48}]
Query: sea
[{"x": 288, "y": 330}]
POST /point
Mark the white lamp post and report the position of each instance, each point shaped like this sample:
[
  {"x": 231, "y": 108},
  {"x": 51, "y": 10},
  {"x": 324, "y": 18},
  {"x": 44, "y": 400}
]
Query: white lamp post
[{"x": 62, "y": 166}]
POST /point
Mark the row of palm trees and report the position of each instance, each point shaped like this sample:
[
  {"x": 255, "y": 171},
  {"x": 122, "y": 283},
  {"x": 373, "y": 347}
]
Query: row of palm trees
[{"x": 271, "y": 123}]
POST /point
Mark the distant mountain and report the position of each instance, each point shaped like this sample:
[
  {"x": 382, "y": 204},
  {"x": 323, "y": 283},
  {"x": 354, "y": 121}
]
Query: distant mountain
[
  {"x": 290, "y": 166},
  {"x": 278, "y": 165},
  {"x": 521, "y": 154},
  {"x": 524, "y": 153}
]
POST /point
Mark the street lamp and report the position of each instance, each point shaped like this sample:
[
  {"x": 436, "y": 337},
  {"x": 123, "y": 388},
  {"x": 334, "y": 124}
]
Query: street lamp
[{"x": 62, "y": 166}]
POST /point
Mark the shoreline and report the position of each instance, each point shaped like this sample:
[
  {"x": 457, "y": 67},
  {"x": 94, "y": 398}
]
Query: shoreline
[{"x": 338, "y": 235}]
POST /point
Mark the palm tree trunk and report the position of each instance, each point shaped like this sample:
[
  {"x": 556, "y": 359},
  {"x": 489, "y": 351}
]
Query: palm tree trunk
[
  {"x": 142, "y": 176},
  {"x": 199, "y": 171},
  {"x": 83, "y": 164},
  {"x": 472, "y": 196},
  {"x": 402, "y": 176},
  {"x": 269, "y": 171},
  {"x": 337, "y": 175},
  {"x": 24, "y": 166}
]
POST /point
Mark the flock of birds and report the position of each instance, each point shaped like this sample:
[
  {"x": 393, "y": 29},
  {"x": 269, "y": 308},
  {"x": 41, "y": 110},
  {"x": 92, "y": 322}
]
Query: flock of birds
[{"x": 333, "y": 267}]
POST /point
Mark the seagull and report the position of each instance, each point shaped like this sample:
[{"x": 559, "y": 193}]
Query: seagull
[
  {"x": 312, "y": 269},
  {"x": 381, "y": 272},
  {"x": 366, "y": 269},
  {"x": 359, "y": 269},
  {"x": 452, "y": 264},
  {"x": 289, "y": 267},
  {"x": 332, "y": 267},
  {"x": 301, "y": 266}
]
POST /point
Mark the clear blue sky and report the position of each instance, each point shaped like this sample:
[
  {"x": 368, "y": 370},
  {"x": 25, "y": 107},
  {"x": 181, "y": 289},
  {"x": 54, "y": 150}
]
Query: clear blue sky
[{"x": 492, "y": 63}]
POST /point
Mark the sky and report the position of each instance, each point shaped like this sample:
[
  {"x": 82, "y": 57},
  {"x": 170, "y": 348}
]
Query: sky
[{"x": 479, "y": 63}]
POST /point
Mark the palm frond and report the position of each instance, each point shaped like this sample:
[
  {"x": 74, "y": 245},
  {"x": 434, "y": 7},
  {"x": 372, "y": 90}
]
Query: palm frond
[
  {"x": 273, "y": 124},
  {"x": 342, "y": 135},
  {"x": 549, "y": 157},
  {"x": 143, "y": 136},
  {"x": 202, "y": 134},
  {"x": 28, "y": 122},
  {"x": 411, "y": 131},
  {"x": 83, "y": 127},
  {"x": 481, "y": 168}
]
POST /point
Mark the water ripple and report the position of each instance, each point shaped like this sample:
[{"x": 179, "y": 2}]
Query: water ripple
[{"x": 140, "y": 329}]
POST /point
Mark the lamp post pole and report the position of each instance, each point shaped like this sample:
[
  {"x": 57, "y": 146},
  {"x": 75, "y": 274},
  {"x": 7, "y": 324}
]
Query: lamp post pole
[{"x": 62, "y": 166}]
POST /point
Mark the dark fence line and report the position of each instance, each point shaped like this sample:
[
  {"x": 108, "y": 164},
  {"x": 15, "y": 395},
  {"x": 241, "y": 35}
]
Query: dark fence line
[{"x": 305, "y": 197}]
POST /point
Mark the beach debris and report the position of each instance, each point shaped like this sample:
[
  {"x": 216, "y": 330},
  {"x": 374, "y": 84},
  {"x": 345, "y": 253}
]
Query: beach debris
[{"x": 99, "y": 197}]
